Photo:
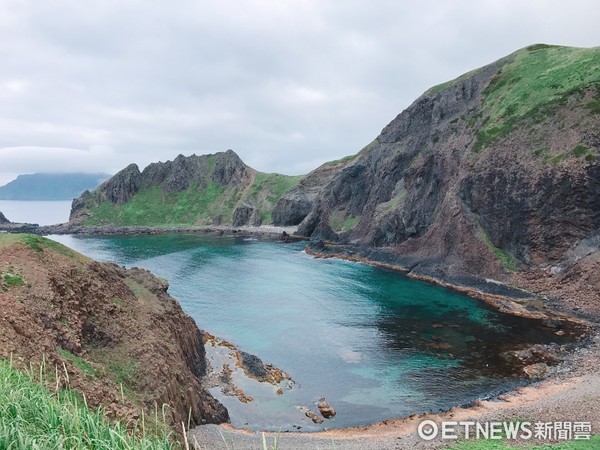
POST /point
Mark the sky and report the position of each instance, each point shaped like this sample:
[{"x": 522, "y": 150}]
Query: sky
[{"x": 288, "y": 84}]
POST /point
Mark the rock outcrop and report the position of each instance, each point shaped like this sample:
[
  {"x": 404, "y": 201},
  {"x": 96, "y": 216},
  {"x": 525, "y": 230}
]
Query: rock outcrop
[
  {"x": 214, "y": 189},
  {"x": 117, "y": 331},
  {"x": 3, "y": 219},
  {"x": 496, "y": 170},
  {"x": 294, "y": 205}
]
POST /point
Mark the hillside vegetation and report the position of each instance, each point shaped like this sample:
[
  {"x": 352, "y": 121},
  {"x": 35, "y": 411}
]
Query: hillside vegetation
[
  {"x": 535, "y": 84},
  {"x": 112, "y": 335},
  {"x": 33, "y": 417},
  {"x": 196, "y": 190}
]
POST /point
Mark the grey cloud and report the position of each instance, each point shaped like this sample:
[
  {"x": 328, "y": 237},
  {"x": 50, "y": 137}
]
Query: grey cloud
[{"x": 288, "y": 85}]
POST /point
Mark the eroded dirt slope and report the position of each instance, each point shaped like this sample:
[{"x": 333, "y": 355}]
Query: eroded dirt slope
[{"x": 125, "y": 343}]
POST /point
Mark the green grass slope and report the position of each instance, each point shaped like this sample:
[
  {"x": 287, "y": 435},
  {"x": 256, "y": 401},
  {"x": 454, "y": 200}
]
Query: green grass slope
[
  {"x": 206, "y": 205},
  {"x": 32, "y": 417},
  {"x": 533, "y": 84}
]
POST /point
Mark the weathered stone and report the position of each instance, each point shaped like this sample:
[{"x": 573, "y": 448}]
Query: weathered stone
[
  {"x": 326, "y": 409},
  {"x": 230, "y": 170},
  {"x": 536, "y": 371},
  {"x": 313, "y": 416},
  {"x": 242, "y": 215}
]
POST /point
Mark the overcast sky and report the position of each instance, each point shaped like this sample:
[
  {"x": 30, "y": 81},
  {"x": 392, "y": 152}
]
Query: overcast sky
[{"x": 288, "y": 84}]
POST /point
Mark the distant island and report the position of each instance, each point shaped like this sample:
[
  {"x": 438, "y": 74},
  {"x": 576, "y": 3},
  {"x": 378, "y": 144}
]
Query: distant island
[{"x": 51, "y": 186}]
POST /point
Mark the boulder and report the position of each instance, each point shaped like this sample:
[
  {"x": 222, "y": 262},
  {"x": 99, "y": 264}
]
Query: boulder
[{"x": 326, "y": 409}]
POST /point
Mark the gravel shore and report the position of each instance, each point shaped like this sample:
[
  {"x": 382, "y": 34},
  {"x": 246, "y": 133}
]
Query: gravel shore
[{"x": 572, "y": 394}]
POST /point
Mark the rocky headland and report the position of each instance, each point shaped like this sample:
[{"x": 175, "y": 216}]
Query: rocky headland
[
  {"x": 113, "y": 334},
  {"x": 492, "y": 176}
]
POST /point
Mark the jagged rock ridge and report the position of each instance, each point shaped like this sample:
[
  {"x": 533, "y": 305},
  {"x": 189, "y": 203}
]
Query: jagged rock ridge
[{"x": 206, "y": 189}]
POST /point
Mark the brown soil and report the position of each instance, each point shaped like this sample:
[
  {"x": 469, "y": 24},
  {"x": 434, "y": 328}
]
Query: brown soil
[{"x": 115, "y": 330}]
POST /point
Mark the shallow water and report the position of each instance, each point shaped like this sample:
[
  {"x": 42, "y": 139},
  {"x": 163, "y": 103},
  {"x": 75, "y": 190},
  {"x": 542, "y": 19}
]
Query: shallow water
[{"x": 375, "y": 343}]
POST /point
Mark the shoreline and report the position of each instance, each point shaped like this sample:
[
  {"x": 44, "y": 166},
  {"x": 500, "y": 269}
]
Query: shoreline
[
  {"x": 112, "y": 230},
  {"x": 504, "y": 303},
  {"x": 570, "y": 394},
  {"x": 388, "y": 432}
]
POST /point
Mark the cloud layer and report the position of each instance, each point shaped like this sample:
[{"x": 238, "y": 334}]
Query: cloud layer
[{"x": 289, "y": 84}]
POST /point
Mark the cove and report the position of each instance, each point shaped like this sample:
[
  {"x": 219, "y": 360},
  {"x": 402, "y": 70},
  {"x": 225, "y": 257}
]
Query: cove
[{"x": 375, "y": 343}]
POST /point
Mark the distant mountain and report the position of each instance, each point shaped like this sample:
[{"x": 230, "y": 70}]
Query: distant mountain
[{"x": 51, "y": 186}]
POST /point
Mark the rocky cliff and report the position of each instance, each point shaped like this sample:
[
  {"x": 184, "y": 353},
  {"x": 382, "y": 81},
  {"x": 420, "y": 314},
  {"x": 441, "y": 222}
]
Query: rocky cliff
[
  {"x": 3, "y": 218},
  {"x": 124, "y": 342},
  {"x": 295, "y": 204},
  {"x": 494, "y": 171},
  {"x": 194, "y": 190}
]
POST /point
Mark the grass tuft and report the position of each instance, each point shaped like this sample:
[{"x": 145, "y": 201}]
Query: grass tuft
[{"x": 32, "y": 417}]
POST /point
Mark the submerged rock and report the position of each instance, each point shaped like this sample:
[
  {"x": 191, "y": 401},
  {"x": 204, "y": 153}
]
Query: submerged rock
[
  {"x": 313, "y": 416},
  {"x": 326, "y": 409}
]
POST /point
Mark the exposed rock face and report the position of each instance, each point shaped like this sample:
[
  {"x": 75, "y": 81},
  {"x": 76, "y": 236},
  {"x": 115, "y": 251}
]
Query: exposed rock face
[
  {"x": 228, "y": 191},
  {"x": 121, "y": 322},
  {"x": 243, "y": 215},
  {"x": 120, "y": 188},
  {"x": 3, "y": 219},
  {"x": 230, "y": 170},
  {"x": 295, "y": 204},
  {"x": 432, "y": 189}
]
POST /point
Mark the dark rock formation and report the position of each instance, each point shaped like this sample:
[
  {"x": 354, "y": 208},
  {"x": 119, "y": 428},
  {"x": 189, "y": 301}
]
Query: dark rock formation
[
  {"x": 242, "y": 215},
  {"x": 254, "y": 366},
  {"x": 326, "y": 409},
  {"x": 120, "y": 188},
  {"x": 230, "y": 170},
  {"x": 428, "y": 190},
  {"x": 294, "y": 205},
  {"x": 3, "y": 219}
]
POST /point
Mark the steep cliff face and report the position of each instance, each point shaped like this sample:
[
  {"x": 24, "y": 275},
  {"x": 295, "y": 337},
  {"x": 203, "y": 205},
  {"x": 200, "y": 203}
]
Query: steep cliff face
[
  {"x": 3, "y": 219},
  {"x": 193, "y": 190},
  {"x": 126, "y": 344},
  {"x": 295, "y": 204},
  {"x": 494, "y": 170}
]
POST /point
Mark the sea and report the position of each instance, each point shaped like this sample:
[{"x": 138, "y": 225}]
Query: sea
[{"x": 373, "y": 342}]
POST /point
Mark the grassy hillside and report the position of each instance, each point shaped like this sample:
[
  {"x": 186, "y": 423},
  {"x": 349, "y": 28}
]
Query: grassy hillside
[
  {"x": 195, "y": 206},
  {"x": 533, "y": 84},
  {"x": 33, "y": 417},
  {"x": 153, "y": 207}
]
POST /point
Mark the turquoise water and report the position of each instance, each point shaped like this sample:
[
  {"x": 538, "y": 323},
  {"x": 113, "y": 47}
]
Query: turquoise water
[{"x": 376, "y": 344}]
